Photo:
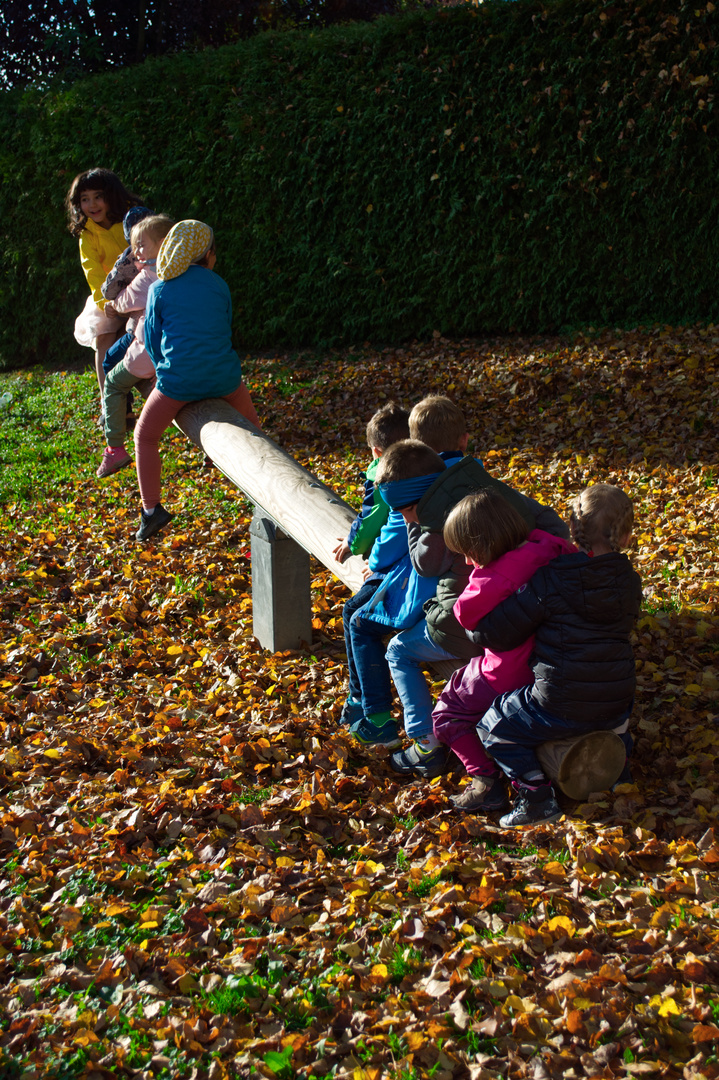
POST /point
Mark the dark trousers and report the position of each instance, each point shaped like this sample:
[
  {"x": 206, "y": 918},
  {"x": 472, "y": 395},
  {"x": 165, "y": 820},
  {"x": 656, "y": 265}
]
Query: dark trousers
[
  {"x": 360, "y": 598},
  {"x": 117, "y": 351},
  {"x": 514, "y": 724}
]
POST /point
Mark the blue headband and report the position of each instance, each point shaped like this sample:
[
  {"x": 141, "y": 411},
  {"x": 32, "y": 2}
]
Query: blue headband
[{"x": 401, "y": 493}]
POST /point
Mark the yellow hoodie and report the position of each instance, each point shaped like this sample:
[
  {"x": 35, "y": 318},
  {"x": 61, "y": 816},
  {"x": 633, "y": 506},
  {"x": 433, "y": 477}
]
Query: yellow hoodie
[{"x": 99, "y": 249}]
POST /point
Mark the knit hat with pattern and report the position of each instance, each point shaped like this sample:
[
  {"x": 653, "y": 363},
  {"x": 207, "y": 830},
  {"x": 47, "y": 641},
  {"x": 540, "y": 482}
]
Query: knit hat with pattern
[{"x": 186, "y": 243}]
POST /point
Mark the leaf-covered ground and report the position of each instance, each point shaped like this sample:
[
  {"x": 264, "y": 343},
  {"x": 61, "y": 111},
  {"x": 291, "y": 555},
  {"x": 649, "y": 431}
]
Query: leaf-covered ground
[{"x": 202, "y": 876}]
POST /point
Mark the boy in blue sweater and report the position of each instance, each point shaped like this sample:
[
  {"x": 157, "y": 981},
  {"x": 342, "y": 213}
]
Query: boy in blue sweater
[{"x": 388, "y": 425}]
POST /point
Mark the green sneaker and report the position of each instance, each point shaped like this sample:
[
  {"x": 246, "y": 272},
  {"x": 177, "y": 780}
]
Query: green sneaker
[{"x": 376, "y": 734}]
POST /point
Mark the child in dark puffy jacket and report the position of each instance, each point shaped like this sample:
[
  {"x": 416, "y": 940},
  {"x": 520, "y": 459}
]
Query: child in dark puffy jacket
[
  {"x": 581, "y": 609},
  {"x": 386, "y": 427}
]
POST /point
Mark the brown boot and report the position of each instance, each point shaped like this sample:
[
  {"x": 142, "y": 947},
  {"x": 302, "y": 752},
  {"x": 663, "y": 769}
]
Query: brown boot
[{"x": 486, "y": 793}]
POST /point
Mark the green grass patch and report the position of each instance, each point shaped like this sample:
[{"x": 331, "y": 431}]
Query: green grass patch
[{"x": 44, "y": 443}]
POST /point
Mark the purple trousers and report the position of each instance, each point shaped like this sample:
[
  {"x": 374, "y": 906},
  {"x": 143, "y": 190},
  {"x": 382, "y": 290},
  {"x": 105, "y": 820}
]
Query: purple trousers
[{"x": 461, "y": 705}]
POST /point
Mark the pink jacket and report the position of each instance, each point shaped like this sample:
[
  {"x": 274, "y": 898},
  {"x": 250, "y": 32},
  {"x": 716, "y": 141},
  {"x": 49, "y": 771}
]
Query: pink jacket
[
  {"x": 488, "y": 585},
  {"x": 133, "y": 298}
]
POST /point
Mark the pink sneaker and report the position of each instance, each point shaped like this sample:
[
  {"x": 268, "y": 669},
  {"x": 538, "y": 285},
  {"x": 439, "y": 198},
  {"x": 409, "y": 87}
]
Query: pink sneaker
[{"x": 113, "y": 458}]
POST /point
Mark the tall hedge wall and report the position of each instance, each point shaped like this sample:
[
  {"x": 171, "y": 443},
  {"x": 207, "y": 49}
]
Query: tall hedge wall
[{"x": 519, "y": 165}]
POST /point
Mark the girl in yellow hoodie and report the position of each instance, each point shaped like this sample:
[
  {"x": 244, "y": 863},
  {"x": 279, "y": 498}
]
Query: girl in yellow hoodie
[{"x": 96, "y": 204}]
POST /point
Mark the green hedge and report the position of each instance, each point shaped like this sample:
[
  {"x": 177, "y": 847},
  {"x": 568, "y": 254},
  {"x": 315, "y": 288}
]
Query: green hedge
[{"x": 518, "y": 165}]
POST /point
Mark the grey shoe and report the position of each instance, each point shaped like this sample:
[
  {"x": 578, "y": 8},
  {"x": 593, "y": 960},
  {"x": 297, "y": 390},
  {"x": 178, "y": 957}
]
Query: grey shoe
[
  {"x": 486, "y": 793},
  {"x": 427, "y": 763},
  {"x": 532, "y": 807}
]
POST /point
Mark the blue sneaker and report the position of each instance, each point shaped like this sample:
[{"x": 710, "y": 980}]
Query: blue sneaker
[
  {"x": 376, "y": 734},
  {"x": 352, "y": 712}
]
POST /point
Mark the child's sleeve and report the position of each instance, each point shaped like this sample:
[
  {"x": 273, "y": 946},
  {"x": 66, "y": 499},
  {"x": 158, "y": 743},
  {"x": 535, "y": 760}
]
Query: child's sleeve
[
  {"x": 153, "y": 325},
  {"x": 391, "y": 544},
  {"x": 547, "y": 519},
  {"x": 366, "y": 528},
  {"x": 514, "y": 620},
  {"x": 122, "y": 273},
  {"x": 134, "y": 296},
  {"x": 92, "y": 267},
  {"x": 429, "y": 554},
  {"x": 481, "y": 596}
]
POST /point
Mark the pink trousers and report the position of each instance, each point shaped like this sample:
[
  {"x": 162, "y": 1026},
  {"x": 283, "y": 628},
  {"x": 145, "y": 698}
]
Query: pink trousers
[
  {"x": 158, "y": 413},
  {"x": 461, "y": 705}
]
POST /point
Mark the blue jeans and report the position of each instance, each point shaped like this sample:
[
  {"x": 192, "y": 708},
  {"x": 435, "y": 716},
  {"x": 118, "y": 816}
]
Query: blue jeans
[
  {"x": 360, "y": 598},
  {"x": 407, "y": 654},
  {"x": 368, "y": 653},
  {"x": 515, "y": 723},
  {"x": 117, "y": 351}
]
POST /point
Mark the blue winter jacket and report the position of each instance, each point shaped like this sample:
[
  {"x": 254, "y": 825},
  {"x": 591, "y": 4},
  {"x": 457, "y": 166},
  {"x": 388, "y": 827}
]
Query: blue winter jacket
[{"x": 188, "y": 326}]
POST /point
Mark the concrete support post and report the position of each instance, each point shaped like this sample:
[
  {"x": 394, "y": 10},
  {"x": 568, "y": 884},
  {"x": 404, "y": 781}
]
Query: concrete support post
[{"x": 281, "y": 602}]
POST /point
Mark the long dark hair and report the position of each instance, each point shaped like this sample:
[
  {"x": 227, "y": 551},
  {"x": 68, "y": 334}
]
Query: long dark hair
[{"x": 119, "y": 199}]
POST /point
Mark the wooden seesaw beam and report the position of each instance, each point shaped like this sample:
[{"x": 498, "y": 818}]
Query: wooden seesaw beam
[{"x": 295, "y": 514}]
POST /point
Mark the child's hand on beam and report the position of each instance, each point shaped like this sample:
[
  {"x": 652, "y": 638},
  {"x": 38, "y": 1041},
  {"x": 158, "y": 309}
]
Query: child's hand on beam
[{"x": 341, "y": 551}]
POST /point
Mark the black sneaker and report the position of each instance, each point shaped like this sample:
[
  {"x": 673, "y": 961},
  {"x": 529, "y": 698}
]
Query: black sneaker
[
  {"x": 427, "y": 763},
  {"x": 152, "y": 523},
  {"x": 533, "y": 806},
  {"x": 483, "y": 793}
]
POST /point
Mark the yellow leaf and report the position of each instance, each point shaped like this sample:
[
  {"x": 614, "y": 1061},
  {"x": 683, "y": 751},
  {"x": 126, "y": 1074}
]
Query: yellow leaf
[
  {"x": 380, "y": 972},
  {"x": 669, "y": 1007},
  {"x": 117, "y": 909},
  {"x": 513, "y": 1002},
  {"x": 175, "y": 650},
  {"x": 54, "y": 754},
  {"x": 84, "y": 1037},
  {"x": 69, "y": 918},
  {"x": 187, "y": 982},
  {"x": 284, "y": 860},
  {"x": 561, "y": 922}
]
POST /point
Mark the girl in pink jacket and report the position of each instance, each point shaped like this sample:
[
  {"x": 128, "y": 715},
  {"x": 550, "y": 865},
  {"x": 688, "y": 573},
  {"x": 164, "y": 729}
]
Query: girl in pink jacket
[{"x": 498, "y": 543}]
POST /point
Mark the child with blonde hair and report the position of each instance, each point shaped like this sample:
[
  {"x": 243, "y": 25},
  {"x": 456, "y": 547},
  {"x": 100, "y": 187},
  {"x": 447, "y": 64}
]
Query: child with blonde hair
[
  {"x": 581, "y": 609},
  {"x": 504, "y": 553},
  {"x": 136, "y": 368}
]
